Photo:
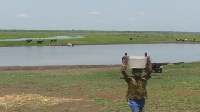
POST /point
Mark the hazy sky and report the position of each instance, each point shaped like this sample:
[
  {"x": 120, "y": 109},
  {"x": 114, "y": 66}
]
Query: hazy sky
[{"x": 122, "y": 15}]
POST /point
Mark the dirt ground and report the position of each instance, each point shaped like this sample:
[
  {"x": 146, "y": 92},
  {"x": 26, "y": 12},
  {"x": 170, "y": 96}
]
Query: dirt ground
[{"x": 44, "y": 98}]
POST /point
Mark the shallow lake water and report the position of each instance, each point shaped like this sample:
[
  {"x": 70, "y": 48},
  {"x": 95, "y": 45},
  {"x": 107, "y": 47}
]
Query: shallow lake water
[{"x": 96, "y": 54}]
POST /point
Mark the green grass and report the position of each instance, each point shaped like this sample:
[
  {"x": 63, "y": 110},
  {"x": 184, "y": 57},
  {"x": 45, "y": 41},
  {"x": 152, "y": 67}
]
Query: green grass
[
  {"x": 104, "y": 37},
  {"x": 178, "y": 90},
  {"x": 112, "y": 106}
]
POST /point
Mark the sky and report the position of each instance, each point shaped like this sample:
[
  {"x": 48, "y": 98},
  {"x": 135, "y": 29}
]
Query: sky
[{"x": 106, "y": 15}]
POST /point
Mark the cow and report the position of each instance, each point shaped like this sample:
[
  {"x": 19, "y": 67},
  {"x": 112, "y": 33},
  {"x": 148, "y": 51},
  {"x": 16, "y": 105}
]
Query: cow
[
  {"x": 53, "y": 40},
  {"x": 131, "y": 38},
  {"x": 182, "y": 39},
  {"x": 193, "y": 40},
  {"x": 29, "y": 40},
  {"x": 70, "y": 44},
  {"x": 178, "y": 40},
  {"x": 40, "y": 41}
]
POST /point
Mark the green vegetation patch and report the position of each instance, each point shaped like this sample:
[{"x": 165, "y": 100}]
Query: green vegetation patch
[{"x": 93, "y": 37}]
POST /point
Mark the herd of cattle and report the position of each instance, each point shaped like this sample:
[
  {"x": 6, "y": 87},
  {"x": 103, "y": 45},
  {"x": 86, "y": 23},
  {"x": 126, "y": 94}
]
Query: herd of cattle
[
  {"x": 40, "y": 41},
  {"x": 52, "y": 40},
  {"x": 192, "y": 40}
]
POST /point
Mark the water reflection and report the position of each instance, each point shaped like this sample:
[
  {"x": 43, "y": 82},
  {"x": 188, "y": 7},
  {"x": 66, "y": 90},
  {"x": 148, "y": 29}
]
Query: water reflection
[
  {"x": 96, "y": 54},
  {"x": 55, "y": 37}
]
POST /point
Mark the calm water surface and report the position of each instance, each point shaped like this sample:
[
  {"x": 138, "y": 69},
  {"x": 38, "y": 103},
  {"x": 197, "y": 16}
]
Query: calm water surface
[{"x": 96, "y": 54}]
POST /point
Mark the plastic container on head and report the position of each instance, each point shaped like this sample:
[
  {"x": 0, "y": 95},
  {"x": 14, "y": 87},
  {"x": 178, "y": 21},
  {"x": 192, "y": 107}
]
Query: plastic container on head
[{"x": 137, "y": 62}]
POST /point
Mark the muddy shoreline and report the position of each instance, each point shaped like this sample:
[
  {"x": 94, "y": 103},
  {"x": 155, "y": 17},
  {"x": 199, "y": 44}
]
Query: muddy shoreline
[{"x": 176, "y": 42}]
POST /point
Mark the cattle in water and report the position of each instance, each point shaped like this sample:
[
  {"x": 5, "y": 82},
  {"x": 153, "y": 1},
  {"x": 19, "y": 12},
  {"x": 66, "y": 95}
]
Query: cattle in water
[
  {"x": 28, "y": 41},
  {"x": 40, "y": 42},
  {"x": 53, "y": 40}
]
